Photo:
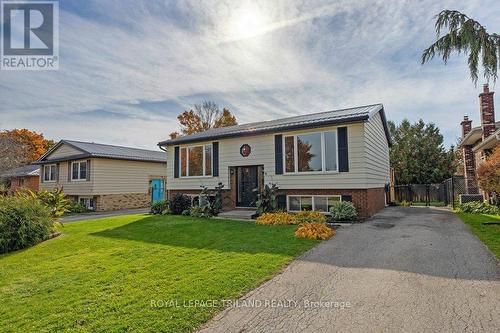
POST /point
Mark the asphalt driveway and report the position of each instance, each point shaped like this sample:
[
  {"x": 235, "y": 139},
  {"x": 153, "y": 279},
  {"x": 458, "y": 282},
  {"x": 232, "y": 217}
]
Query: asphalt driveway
[
  {"x": 405, "y": 270},
  {"x": 99, "y": 215}
]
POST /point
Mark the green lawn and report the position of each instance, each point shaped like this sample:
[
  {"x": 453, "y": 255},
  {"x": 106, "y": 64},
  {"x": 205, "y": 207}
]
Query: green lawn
[
  {"x": 488, "y": 234},
  {"x": 102, "y": 275}
]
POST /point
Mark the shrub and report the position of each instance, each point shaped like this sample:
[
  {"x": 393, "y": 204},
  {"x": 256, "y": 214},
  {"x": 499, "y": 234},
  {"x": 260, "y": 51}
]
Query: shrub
[
  {"x": 477, "y": 207},
  {"x": 310, "y": 216},
  {"x": 55, "y": 200},
  {"x": 314, "y": 230},
  {"x": 276, "y": 218},
  {"x": 405, "y": 203},
  {"x": 24, "y": 222},
  {"x": 77, "y": 208},
  {"x": 159, "y": 207},
  {"x": 179, "y": 203},
  {"x": 200, "y": 211},
  {"x": 267, "y": 201},
  {"x": 488, "y": 175},
  {"x": 343, "y": 211}
]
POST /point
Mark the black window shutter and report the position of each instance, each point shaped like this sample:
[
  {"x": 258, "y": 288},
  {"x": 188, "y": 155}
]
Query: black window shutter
[
  {"x": 346, "y": 197},
  {"x": 69, "y": 171},
  {"x": 176, "y": 162},
  {"x": 42, "y": 171},
  {"x": 281, "y": 198},
  {"x": 57, "y": 172},
  {"x": 215, "y": 152},
  {"x": 343, "y": 150},
  {"x": 88, "y": 170},
  {"x": 278, "y": 154}
]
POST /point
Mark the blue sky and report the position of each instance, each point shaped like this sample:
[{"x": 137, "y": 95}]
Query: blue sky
[{"x": 128, "y": 68}]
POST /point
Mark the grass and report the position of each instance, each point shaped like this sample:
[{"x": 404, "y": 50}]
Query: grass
[
  {"x": 488, "y": 234},
  {"x": 101, "y": 275},
  {"x": 431, "y": 203}
]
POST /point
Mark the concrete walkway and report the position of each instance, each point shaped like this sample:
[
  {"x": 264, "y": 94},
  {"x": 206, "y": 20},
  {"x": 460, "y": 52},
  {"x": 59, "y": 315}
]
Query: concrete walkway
[
  {"x": 405, "y": 270},
  {"x": 98, "y": 215}
]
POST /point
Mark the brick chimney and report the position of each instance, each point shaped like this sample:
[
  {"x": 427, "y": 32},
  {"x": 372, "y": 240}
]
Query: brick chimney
[
  {"x": 466, "y": 126},
  {"x": 468, "y": 160},
  {"x": 487, "y": 109}
]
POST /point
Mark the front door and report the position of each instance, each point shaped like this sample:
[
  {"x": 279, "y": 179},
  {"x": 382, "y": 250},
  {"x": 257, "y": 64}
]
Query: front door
[
  {"x": 247, "y": 180},
  {"x": 157, "y": 190}
]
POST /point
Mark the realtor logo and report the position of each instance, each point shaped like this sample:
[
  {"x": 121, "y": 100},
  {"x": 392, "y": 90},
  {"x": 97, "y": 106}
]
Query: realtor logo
[{"x": 29, "y": 35}]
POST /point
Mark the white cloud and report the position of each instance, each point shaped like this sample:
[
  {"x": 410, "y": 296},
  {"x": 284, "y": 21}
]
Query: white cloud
[{"x": 299, "y": 58}]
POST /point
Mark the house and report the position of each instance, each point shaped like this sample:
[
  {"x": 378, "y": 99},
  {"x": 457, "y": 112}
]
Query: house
[
  {"x": 25, "y": 176},
  {"x": 315, "y": 159},
  {"x": 478, "y": 143},
  {"x": 104, "y": 177}
]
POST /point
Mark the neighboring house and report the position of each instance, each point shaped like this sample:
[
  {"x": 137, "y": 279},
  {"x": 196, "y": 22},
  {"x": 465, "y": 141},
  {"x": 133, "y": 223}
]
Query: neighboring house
[
  {"x": 104, "y": 177},
  {"x": 315, "y": 160},
  {"x": 478, "y": 143},
  {"x": 25, "y": 176}
]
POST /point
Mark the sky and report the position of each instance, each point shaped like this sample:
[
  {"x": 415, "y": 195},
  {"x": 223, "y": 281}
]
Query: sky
[{"x": 128, "y": 68}]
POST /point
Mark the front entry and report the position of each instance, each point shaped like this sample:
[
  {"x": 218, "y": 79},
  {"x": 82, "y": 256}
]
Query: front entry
[
  {"x": 247, "y": 179},
  {"x": 157, "y": 190}
]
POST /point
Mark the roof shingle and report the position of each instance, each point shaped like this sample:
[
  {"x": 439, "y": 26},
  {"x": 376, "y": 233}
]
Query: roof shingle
[
  {"x": 91, "y": 149},
  {"x": 360, "y": 113}
]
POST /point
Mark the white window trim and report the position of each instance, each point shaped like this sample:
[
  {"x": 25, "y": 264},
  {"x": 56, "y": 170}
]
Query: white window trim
[
  {"x": 55, "y": 173},
  {"x": 296, "y": 154},
  {"x": 313, "y": 201},
  {"x": 204, "y": 161},
  {"x": 87, "y": 197},
  {"x": 79, "y": 179}
]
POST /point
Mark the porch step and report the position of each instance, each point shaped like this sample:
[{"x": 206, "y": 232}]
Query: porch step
[{"x": 237, "y": 214}]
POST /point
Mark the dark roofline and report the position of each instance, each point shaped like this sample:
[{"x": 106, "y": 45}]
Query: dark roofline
[
  {"x": 284, "y": 128},
  {"x": 82, "y": 156},
  {"x": 86, "y": 154}
]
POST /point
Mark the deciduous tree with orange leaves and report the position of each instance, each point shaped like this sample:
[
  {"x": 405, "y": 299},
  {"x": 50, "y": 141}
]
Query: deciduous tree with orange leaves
[
  {"x": 21, "y": 146},
  {"x": 488, "y": 173},
  {"x": 203, "y": 117}
]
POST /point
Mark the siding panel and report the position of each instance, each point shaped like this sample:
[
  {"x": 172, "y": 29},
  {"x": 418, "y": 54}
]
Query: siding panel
[
  {"x": 377, "y": 153},
  {"x": 263, "y": 154},
  {"x": 63, "y": 151}
]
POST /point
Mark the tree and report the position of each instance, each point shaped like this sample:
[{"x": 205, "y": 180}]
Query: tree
[
  {"x": 488, "y": 173},
  {"x": 21, "y": 146},
  {"x": 202, "y": 118},
  {"x": 468, "y": 36},
  {"x": 418, "y": 155}
]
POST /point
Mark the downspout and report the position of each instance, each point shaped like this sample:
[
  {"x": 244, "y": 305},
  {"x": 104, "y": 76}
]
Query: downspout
[{"x": 165, "y": 150}]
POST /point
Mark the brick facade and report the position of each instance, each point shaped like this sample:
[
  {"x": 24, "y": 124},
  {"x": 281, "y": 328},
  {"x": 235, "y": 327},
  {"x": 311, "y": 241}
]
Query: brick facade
[
  {"x": 367, "y": 201},
  {"x": 29, "y": 182},
  {"x": 109, "y": 202}
]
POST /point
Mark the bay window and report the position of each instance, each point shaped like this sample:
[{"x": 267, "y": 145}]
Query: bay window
[
  {"x": 311, "y": 152},
  {"x": 196, "y": 161}
]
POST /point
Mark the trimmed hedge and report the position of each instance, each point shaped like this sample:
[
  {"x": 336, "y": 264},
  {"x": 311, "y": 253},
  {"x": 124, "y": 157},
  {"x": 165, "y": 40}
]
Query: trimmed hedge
[
  {"x": 23, "y": 222},
  {"x": 477, "y": 207}
]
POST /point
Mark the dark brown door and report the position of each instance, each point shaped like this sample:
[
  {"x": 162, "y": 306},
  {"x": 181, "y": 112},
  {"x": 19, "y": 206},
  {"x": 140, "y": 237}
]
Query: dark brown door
[{"x": 247, "y": 180}]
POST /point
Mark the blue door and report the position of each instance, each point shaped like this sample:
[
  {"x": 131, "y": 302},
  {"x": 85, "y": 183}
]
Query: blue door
[{"x": 157, "y": 190}]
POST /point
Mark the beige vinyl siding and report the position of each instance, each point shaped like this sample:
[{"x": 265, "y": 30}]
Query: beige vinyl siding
[
  {"x": 63, "y": 151},
  {"x": 263, "y": 154},
  {"x": 377, "y": 153},
  {"x": 82, "y": 187},
  {"x": 123, "y": 176},
  {"x": 108, "y": 176}
]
